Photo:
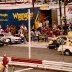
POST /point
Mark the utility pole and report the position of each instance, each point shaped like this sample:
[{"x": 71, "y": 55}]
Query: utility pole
[
  {"x": 65, "y": 21},
  {"x": 60, "y": 11},
  {"x": 33, "y": 13}
]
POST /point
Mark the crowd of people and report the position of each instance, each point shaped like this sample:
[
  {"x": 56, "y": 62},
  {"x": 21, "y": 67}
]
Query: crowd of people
[{"x": 44, "y": 31}]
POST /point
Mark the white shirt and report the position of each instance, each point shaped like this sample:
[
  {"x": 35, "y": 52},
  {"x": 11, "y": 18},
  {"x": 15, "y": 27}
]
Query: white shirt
[
  {"x": 37, "y": 33},
  {"x": 40, "y": 24}
]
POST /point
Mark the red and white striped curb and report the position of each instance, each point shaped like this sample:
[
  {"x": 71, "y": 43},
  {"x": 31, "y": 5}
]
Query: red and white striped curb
[{"x": 44, "y": 64}]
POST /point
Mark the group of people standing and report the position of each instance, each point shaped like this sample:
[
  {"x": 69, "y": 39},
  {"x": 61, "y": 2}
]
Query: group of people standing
[{"x": 45, "y": 30}]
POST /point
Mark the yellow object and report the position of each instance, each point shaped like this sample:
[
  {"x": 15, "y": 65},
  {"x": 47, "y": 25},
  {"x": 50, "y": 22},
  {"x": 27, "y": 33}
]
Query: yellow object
[
  {"x": 36, "y": 22},
  {"x": 68, "y": 43},
  {"x": 70, "y": 33},
  {"x": 44, "y": 7},
  {"x": 1, "y": 66},
  {"x": 50, "y": 42}
]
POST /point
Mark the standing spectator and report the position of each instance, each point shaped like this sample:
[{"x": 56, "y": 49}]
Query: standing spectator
[
  {"x": 12, "y": 29},
  {"x": 32, "y": 35},
  {"x": 70, "y": 27},
  {"x": 54, "y": 25},
  {"x": 7, "y": 29},
  {"x": 50, "y": 34},
  {"x": 22, "y": 26},
  {"x": 1, "y": 29},
  {"x": 47, "y": 23},
  {"x": 37, "y": 33},
  {"x": 46, "y": 36},
  {"x": 44, "y": 30},
  {"x": 25, "y": 32},
  {"x": 14, "y": 32},
  {"x": 40, "y": 27},
  {"x": 44, "y": 24},
  {"x": 21, "y": 32}
]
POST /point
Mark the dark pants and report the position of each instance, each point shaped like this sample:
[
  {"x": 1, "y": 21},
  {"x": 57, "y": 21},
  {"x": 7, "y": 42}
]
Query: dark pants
[
  {"x": 38, "y": 38},
  {"x": 23, "y": 39}
]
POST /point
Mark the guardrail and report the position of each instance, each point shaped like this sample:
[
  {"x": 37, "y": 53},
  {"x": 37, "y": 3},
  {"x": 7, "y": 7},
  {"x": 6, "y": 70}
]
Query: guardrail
[
  {"x": 50, "y": 65},
  {"x": 61, "y": 66},
  {"x": 41, "y": 64},
  {"x": 44, "y": 64}
]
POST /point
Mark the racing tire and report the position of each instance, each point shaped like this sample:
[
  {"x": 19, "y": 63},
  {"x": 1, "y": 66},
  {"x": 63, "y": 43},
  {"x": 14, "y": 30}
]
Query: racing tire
[
  {"x": 9, "y": 41},
  {"x": 1, "y": 44},
  {"x": 67, "y": 52},
  {"x": 51, "y": 47}
]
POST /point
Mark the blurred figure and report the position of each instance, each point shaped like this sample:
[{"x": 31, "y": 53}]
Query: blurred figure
[
  {"x": 21, "y": 33},
  {"x": 50, "y": 34},
  {"x": 37, "y": 33},
  {"x": 1, "y": 29},
  {"x": 7, "y": 29},
  {"x": 5, "y": 63},
  {"x": 32, "y": 35},
  {"x": 40, "y": 27}
]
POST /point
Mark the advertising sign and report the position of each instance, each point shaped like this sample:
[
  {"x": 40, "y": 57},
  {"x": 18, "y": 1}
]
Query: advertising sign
[{"x": 16, "y": 16}]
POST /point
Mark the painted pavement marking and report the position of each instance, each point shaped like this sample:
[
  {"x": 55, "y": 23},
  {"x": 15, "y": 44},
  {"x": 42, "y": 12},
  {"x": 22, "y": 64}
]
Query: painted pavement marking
[{"x": 23, "y": 70}]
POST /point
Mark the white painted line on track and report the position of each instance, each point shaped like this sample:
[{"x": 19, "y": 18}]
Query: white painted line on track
[
  {"x": 33, "y": 46},
  {"x": 23, "y": 70}
]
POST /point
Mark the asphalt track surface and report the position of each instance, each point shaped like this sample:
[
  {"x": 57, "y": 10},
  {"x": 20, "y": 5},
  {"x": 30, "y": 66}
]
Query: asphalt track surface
[{"x": 36, "y": 53}]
